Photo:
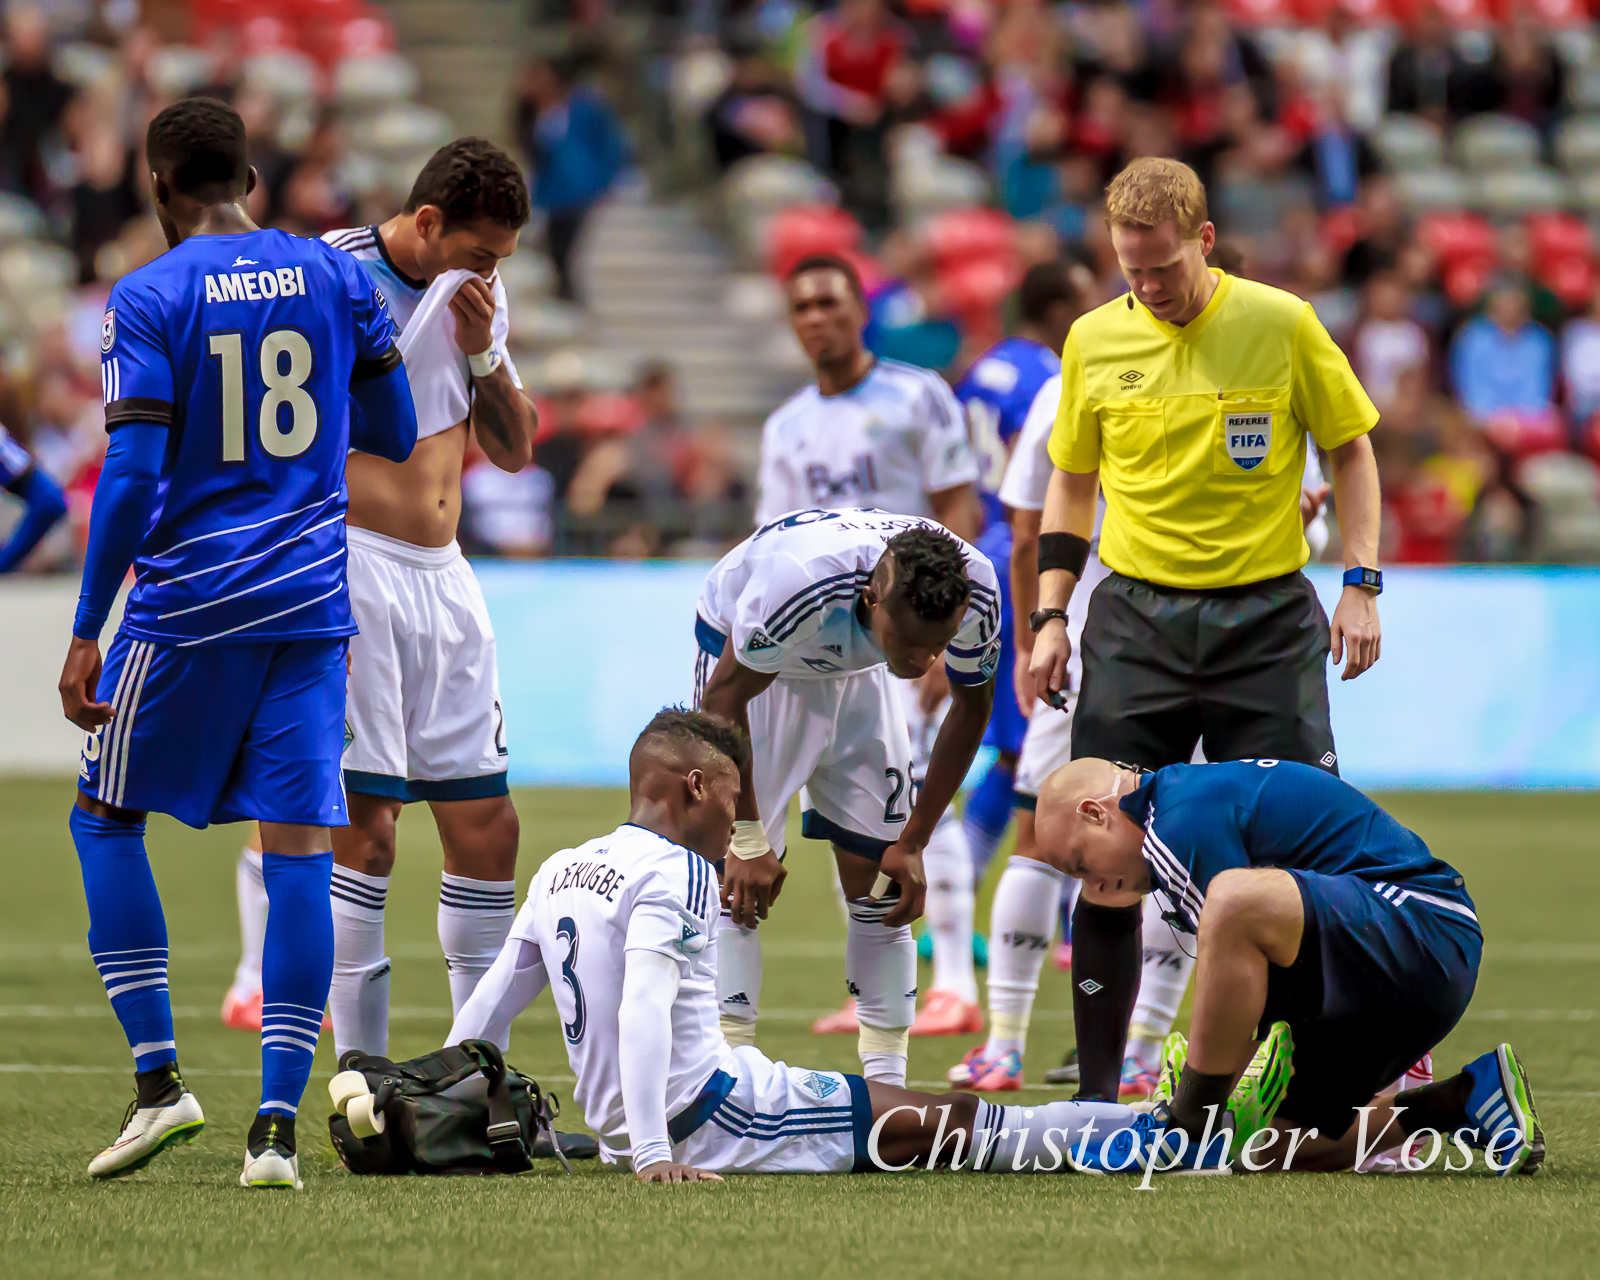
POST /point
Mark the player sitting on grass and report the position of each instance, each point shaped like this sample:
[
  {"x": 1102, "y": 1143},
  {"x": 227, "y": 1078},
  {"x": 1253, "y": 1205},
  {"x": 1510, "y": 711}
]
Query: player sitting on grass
[
  {"x": 1312, "y": 906},
  {"x": 624, "y": 932}
]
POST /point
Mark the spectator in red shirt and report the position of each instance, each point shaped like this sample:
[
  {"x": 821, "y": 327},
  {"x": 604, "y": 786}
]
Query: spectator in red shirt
[{"x": 845, "y": 77}]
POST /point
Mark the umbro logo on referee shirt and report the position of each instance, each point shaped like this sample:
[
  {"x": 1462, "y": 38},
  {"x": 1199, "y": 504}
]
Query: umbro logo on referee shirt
[{"x": 1129, "y": 378}]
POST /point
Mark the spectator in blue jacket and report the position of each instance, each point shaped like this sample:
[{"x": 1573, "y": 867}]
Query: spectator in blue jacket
[
  {"x": 576, "y": 148},
  {"x": 1502, "y": 361}
]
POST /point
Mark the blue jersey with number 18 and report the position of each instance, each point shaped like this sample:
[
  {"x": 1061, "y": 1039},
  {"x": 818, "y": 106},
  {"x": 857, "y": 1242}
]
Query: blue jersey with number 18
[{"x": 244, "y": 347}]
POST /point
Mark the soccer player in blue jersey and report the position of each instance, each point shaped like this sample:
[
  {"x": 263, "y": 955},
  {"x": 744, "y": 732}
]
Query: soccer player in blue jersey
[
  {"x": 44, "y": 502},
  {"x": 230, "y": 364},
  {"x": 1308, "y": 905}
]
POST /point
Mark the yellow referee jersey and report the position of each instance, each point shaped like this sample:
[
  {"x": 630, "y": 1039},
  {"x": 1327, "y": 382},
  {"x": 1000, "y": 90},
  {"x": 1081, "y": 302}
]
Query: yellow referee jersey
[{"x": 1199, "y": 430}]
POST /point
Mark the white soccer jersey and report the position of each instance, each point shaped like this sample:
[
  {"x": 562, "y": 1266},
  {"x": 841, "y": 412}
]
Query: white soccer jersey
[
  {"x": 586, "y": 909},
  {"x": 888, "y": 442},
  {"x": 786, "y": 596},
  {"x": 441, "y": 381}
]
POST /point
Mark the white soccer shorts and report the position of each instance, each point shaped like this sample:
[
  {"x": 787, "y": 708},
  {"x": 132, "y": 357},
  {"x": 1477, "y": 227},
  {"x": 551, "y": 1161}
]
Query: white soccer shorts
[
  {"x": 1046, "y": 746},
  {"x": 423, "y": 718},
  {"x": 778, "y": 1119},
  {"x": 842, "y": 746}
]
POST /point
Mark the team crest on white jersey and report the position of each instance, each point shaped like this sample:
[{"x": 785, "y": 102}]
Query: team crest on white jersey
[
  {"x": 693, "y": 940},
  {"x": 819, "y": 1085},
  {"x": 1249, "y": 437}
]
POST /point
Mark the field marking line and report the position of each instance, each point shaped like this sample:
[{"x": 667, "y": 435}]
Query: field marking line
[
  {"x": 1515, "y": 952},
  {"x": 424, "y": 1013}
]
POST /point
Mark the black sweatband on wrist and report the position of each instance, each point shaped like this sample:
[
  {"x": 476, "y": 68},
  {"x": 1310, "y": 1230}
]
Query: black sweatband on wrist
[
  {"x": 1063, "y": 551},
  {"x": 1105, "y": 984},
  {"x": 1196, "y": 1092}
]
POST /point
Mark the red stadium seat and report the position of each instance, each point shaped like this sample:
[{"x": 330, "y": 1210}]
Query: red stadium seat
[
  {"x": 798, "y": 232},
  {"x": 1564, "y": 256},
  {"x": 1524, "y": 434},
  {"x": 966, "y": 235},
  {"x": 973, "y": 290},
  {"x": 1459, "y": 237},
  {"x": 266, "y": 32}
]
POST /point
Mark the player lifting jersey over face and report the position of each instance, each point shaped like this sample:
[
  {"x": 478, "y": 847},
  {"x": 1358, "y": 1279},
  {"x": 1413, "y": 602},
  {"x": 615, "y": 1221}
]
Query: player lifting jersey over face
[
  {"x": 424, "y": 719},
  {"x": 801, "y": 628}
]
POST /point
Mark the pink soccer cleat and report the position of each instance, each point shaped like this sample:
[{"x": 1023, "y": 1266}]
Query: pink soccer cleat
[
  {"x": 1003, "y": 1074},
  {"x": 842, "y": 1023},
  {"x": 1136, "y": 1081},
  {"x": 242, "y": 1012},
  {"x": 944, "y": 1013}
]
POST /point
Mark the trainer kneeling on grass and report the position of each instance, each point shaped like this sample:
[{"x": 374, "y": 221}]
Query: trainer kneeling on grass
[{"x": 1316, "y": 912}]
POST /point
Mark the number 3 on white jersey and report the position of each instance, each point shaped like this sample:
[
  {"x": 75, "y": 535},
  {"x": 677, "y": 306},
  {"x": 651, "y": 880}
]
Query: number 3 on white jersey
[
  {"x": 284, "y": 385},
  {"x": 983, "y": 428}
]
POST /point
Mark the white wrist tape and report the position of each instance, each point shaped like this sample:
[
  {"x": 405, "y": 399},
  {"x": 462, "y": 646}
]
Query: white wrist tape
[
  {"x": 749, "y": 839},
  {"x": 484, "y": 363}
]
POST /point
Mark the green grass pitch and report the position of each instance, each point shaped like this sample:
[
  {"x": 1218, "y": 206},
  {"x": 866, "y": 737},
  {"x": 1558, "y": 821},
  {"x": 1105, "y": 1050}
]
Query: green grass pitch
[{"x": 1531, "y": 861}]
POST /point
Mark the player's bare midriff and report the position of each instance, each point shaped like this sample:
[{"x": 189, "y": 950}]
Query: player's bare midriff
[{"x": 417, "y": 501}]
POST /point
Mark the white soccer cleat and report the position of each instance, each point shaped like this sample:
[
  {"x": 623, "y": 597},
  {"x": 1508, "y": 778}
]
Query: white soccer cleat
[
  {"x": 146, "y": 1133},
  {"x": 271, "y": 1169}
]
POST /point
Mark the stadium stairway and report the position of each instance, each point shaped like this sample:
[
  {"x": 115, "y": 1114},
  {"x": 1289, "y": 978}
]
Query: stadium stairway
[
  {"x": 657, "y": 282},
  {"x": 466, "y": 53}
]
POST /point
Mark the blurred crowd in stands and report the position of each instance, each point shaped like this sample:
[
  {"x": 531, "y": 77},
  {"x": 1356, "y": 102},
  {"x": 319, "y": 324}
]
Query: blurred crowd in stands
[{"x": 1425, "y": 172}]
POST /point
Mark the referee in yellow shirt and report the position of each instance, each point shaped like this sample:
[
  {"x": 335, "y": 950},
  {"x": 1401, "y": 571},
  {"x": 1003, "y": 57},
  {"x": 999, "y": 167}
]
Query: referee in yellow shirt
[{"x": 1187, "y": 402}]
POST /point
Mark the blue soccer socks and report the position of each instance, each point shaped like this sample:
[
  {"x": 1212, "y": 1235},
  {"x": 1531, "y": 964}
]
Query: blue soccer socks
[
  {"x": 296, "y": 967},
  {"x": 127, "y": 932}
]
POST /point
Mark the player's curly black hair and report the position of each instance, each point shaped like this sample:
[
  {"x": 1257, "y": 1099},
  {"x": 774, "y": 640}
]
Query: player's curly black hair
[
  {"x": 679, "y": 724},
  {"x": 930, "y": 572},
  {"x": 472, "y": 180},
  {"x": 198, "y": 146}
]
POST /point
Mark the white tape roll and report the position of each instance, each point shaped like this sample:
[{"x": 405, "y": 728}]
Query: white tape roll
[
  {"x": 364, "y": 1121},
  {"x": 345, "y": 1087}
]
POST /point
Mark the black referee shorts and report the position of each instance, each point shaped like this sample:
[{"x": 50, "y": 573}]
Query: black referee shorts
[{"x": 1243, "y": 670}]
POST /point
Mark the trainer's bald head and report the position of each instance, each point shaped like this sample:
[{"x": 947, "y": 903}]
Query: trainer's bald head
[{"x": 1082, "y": 830}]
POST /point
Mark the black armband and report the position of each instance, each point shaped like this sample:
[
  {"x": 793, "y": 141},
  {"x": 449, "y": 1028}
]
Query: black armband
[
  {"x": 376, "y": 367},
  {"x": 1105, "y": 984},
  {"x": 139, "y": 409},
  {"x": 1063, "y": 551}
]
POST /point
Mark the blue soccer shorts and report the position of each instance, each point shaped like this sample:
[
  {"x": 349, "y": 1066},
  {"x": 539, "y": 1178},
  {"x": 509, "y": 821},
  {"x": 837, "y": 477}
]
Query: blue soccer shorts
[
  {"x": 1007, "y": 727},
  {"x": 222, "y": 732},
  {"x": 1382, "y": 977}
]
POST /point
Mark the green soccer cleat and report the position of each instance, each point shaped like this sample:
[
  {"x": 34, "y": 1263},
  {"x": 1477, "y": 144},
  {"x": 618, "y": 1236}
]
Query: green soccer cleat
[
  {"x": 1261, "y": 1089},
  {"x": 1174, "y": 1053}
]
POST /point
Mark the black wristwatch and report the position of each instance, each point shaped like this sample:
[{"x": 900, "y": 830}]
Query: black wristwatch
[{"x": 1039, "y": 617}]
